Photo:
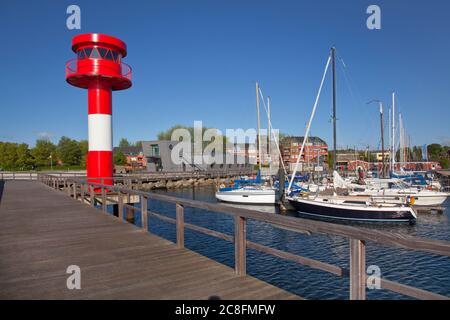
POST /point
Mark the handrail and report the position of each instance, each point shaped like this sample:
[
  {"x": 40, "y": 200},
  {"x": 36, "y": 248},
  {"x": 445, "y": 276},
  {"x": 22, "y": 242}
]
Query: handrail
[
  {"x": 72, "y": 68},
  {"x": 357, "y": 236}
]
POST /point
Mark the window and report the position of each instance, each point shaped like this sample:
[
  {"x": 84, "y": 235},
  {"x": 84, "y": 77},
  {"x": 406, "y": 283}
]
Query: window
[
  {"x": 154, "y": 150},
  {"x": 95, "y": 54},
  {"x": 109, "y": 56},
  {"x": 88, "y": 52},
  {"x": 99, "y": 53},
  {"x": 102, "y": 52}
]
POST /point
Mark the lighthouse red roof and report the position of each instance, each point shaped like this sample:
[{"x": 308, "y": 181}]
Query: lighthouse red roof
[{"x": 89, "y": 39}]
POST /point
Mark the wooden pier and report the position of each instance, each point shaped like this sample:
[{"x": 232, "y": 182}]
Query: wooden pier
[
  {"x": 49, "y": 224},
  {"x": 42, "y": 232}
]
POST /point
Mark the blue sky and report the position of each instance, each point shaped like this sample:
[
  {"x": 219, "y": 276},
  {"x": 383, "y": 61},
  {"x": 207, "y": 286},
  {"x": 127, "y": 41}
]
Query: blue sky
[{"x": 199, "y": 60}]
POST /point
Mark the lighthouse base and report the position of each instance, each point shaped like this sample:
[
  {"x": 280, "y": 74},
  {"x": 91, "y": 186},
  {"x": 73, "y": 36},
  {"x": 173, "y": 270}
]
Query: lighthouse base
[{"x": 100, "y": 167}]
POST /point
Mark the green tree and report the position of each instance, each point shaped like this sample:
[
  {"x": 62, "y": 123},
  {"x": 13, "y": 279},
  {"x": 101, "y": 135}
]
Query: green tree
[
  {"x": 69, "y": 151},
  {"x": 8, "y": 155},
  {"x": 124, "y": 143},
  {"x": 445, "y": 163},
  {"x": 25, "y": 160},
  {"x": 119, "y": 158},
  {"x": 434, "y": 151},
  {"x": 42, "y": 152},
  {"x": 84, "y": 146},
  {"x": 167, "y": 135}
]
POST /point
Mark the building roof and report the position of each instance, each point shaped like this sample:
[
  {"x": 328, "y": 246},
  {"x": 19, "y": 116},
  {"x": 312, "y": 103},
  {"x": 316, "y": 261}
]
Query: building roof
[
  {"x": 292, "y": 139},
  {"x": 128, "y": 151}
]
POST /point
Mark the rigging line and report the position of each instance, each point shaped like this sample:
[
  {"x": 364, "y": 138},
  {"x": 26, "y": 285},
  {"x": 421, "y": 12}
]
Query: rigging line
[
  {"x": 271, "y": 131},
  {"x": 357, "y": 100},
  {"x": 349, "y": 79},
  {"x": 349, "y": 87},
  {"x": 309, "y": 124}
]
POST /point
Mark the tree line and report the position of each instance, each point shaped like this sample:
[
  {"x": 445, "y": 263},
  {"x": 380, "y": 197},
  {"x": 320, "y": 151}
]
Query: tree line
[
  {"x": 435, "y": 152},
  {"x": 19, "y": 156},
  {"x": 67, "y": 153},
  {"x": 70, "y": 153}
]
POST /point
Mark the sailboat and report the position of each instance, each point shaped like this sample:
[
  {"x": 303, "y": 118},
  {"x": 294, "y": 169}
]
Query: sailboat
[
  {"x": 343, "y": 207},
  {"x": 251, "y": 191},
  {"x": 391, "y": 190}
]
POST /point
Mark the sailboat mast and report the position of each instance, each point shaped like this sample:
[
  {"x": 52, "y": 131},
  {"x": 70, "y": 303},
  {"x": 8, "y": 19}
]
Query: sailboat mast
[
  {"x": 382, "y": 140},
  {"x": 269, "y": 134},
  {"x": 333, "y": 60},
  {"x": 400, "y": 137},
  {"x": 258, "y": 126},
  {"x": 393, "y": 133}
]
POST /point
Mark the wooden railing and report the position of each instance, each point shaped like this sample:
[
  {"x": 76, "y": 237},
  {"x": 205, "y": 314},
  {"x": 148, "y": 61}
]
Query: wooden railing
[
  {"x": 12, "y": 175},
  {"x": 132, "y": 177},
  {"x": 33, "y": 175},
  {"x": 358, "y": 237}
]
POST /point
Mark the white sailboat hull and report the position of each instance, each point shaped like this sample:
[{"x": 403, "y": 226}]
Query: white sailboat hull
[
  {"x": 421, "y": 198},
  {"x": 249, "y": 196}
]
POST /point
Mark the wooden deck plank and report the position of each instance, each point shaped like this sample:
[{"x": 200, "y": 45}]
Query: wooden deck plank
[{"x": 43, "y": 231}]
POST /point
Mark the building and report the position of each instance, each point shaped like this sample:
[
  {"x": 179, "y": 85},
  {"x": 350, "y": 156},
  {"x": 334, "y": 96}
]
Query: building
[
  {"x": 418, "y": 166},
  {"x": 159, "y": 153},
  {"x": 379, "y": 156},
  {"x": 351, "y": 161},
  {"x": 136, "y": 161},
  {"x": 315, "y": 153}
]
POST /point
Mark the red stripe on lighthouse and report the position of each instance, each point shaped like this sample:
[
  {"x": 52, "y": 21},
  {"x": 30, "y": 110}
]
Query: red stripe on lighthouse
[
  {"x": 99, "y": 98},
  {"x": 100, "y": 165}
]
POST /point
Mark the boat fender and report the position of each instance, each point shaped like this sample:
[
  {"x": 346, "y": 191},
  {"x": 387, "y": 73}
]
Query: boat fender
[{"x": 411, "y": 200}]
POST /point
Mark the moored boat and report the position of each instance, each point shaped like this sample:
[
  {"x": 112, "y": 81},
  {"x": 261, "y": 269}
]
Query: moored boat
[
  {"x": 249, "y": 195},
  {"x": 349, "y": 208}
]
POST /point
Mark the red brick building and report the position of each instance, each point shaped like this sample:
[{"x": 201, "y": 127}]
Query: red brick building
[
  {"x": 315, "y": 151},
  {"x": 136, "y": 161}
]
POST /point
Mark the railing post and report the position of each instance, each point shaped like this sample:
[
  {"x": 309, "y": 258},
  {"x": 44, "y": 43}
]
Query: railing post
[
  {"x": 74, "y": 190},
  {"x": 120, "y": 214},
  {"x": 68, "y": 189},
  {"x": 357, "y": 270},
  {"x": 144, "y": 213},
  {"x": 180, "y": 225},
  {"x": 91, "y": 195},
  {"x": 14, "y": 175},
  {"x": 82, "y": 191},
  {"x": 240, "y": 246},
  {"x": 103, "y": 199}
]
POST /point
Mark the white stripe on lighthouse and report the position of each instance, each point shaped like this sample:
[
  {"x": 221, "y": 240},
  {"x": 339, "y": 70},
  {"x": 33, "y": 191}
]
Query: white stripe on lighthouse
[{"x": 100, "y": 133}]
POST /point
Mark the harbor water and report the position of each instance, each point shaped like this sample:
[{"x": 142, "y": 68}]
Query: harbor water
[{"x": 422, "y": 270}]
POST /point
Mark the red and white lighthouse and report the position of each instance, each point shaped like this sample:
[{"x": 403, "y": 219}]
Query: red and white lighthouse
[{"x": 99, "y": 68}]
